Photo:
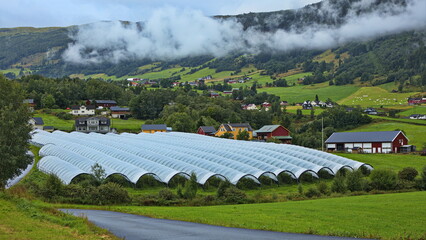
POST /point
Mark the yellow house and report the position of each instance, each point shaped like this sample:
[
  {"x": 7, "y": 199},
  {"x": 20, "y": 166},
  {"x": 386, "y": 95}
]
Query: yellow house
[
  {"x": 152, "y": 128},
  {"x": 234, "y": 129}
]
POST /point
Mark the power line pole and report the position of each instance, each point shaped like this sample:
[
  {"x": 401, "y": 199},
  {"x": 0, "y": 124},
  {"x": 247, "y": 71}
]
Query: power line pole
[{"x": 322, "y": 134}]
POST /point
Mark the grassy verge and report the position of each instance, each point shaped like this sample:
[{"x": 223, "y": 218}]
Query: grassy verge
[
  {"x": 22, "y": 219},
  {"x": 388, "y": 216}
]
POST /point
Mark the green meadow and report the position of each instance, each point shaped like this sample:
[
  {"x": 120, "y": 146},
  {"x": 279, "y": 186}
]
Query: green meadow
[{"x": 384, "y": 216}]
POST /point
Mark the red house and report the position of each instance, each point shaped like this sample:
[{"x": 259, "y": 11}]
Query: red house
[
  {"x": 274, "y": 131},
  {"x": 367, "y": 142},
  {"x": 206, "y": 130},
  {"x": 413, "y": 101}
]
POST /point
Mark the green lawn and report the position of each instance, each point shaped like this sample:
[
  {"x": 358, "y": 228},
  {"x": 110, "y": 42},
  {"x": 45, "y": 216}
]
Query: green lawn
[
  {"x": 60, "y": 124},
  {"x": 131, "y": 124},
  {"x": 293, "y": 78},
  {"x": 22, "y": 219},
  {"x": 375, "y": 97},
  {"x": 387, "y": 216},
  {"x": 415, "y": 133},
  {"x": 403, "y": 120},
  {"x": 302, "y": 93},
  {"x": 395, "y": 162},
  {"x": 414, "y": 110}
]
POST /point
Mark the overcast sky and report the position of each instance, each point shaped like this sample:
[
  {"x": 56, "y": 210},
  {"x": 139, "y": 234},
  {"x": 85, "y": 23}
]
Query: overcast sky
[{"x": 48, "y": 13}]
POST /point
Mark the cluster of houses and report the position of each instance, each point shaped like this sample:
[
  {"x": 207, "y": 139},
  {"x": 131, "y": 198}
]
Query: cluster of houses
[
  {"x": 308, "y": 104},
  {"x": 134, "y": 82},
  {"x": 90, "y": 110},
  {"x": 264, "y": 105},
  {"x": 416, "y": 101}
]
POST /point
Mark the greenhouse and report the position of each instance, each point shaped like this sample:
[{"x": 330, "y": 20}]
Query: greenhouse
[{"x": 166, "y": 155}]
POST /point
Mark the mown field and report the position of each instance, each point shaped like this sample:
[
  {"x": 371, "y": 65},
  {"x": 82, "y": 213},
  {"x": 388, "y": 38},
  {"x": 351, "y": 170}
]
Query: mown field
[
  {"x": 387, "y": 216},
  {"x": 23, "y": 219}
]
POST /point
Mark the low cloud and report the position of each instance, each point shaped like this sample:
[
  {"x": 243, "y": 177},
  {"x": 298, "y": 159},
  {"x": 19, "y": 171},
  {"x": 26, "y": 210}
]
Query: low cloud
[{"x": 171, "y": 34}]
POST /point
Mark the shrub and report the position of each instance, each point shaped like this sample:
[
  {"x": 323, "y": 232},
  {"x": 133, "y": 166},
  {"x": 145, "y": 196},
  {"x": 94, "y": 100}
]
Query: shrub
[
  {"x": 64, "y": 116},
  {"x": 408, "y": 174},
  {"x": 312, "y": 192},
  {"x": 234, "y": 195},
  {"x": 423, "y": 179},
  {"x": 52, "y": 188},
  {"x": 166, "y": 194},
  {"x": 222, "y": 187},
  {"x": 191, "y": 187},
  {"x": 323, "y": 188},
  {"x": 383, "y": 179},
  {"x": 354, "y": 181},
  {"x": 339, "y": 185},
  {"x": 110, "y": 193}
]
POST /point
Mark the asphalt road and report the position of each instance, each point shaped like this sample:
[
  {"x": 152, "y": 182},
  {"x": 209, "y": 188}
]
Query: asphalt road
[{"x": 135, "y": 227}]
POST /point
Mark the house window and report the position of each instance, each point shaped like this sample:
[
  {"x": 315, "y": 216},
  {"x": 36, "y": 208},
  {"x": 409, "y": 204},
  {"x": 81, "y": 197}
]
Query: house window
[{"x": 75, "y": 111}]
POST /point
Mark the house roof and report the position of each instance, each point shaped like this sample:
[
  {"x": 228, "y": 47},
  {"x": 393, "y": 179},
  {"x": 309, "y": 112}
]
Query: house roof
[
  {"x": 38, "y": 121},
  {"x": 208, "y": 129},
  {"x": 267, "y": 128},
  {"x": 106, "y": 102},
  {"x": 119, "y": 109},
  {"x": 382, "y": 136},
  {"x": 29, "y": 101},
  {"x": 84, "y": 119},
  {"x": 229, "y": 126},
  {"x": 77, "y": 107},
  {"x": 48, "y": 128},
  {"x": 154, "y": 127}
]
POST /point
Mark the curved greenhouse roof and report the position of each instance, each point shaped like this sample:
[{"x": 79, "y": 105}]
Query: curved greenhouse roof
[{"x": 165, "y": 155}]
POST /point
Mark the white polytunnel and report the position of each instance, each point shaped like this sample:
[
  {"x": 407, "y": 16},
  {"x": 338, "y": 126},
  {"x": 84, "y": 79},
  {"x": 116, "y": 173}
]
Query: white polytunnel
[{"x": 165, "y": 155}]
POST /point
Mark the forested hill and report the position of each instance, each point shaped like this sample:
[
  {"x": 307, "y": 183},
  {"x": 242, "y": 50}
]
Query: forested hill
[{"x": 397, "y": 57}]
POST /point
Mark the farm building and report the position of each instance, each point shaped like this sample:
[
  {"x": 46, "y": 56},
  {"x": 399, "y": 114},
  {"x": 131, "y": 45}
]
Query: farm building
[
  {"x": 119, "y": 112},
  {"x": 93, "y": 124},
  {"x": 234, "y": 129},
  {"x": 152, "y": 128},
  {"x": 36, "y": 122},
  {"x": 165, "y": 155},
  {"x": 368, "y": 142},
  {"x": 206, "y": 130},
  {"x": 274, "y": 131}
]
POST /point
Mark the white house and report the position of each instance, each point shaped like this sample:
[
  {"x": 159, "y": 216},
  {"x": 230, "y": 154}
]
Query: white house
[
  {"x": 36, "y": 122},
  {"x": 83, "y": 110}
]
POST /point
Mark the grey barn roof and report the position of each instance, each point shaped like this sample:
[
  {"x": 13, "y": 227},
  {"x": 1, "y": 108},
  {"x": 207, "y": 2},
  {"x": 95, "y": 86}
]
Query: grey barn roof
[
  {"x": 119, "y": 109},
  {"x": 208, "y": 129},
  {"x": 38, "y": 121},
  {"x": 267, "y": 128},
  {"x": 352, "y": 137},
  {"x": 154, "y": 127}
]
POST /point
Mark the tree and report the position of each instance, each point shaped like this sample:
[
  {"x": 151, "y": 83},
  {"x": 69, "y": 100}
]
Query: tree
[
  {"x": 47, "y": 101},
  {"x": 244, "y": 135},
  {"x": 99, "y": 172},
  {"x": 14, "y": 131}
]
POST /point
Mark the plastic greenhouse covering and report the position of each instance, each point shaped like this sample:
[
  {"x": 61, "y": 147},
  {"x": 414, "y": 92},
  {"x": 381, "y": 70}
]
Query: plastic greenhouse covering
[{"x": 165, "y": 155}]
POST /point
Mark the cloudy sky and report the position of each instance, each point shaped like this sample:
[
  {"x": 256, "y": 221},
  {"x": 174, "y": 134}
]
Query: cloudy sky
[{"x": 47, "y": 13}]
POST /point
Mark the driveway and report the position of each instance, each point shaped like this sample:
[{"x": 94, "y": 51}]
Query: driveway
[{"x": 135, "y": 227}]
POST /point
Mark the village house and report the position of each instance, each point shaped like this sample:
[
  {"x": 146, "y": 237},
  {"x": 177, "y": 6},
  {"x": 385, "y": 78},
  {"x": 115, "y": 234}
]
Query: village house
[
  {"x": 119, "y": 112},
  {"x": 83, "y": 110},
  {"x": 206, "y": 130},
  {"x": 416, "y": 101},
  {"x": 234, "y": 129},
  {"x": 36, "y": 123},
  {"x": 250, "y": 106},
  {"x": 370, "y": 111},
  {"x": 31, "y": 104},
  {"x": 152, "y": 128},
  {"x": 214, "y": 94},
  {"x": 105, "y": 103},
  {"x": 417, "y": 116},
  {"x": 283, "y": 103},
  {"x": 93, "y": 124},
  {"x": 307, "y": 105},
  {"x": 274, "y": 132},
  {"x": 48, "y": 128},
  {"x": 367, "y": 142}
]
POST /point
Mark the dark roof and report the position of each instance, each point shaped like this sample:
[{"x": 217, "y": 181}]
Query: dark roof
[
  {"x": 208, "y": 129},
  {"x": 29, "y": 101},
  {"x": 106, "y": 102},
  {"x": 38, "y": 121},
  {"x": 48, "y": 128},
  {"x": 358, "y": 137},
  {"x": 237, "y": 125},
  {"x": 154, "y": 127},
  {"x": 84, "y": 119},
  {"x": 119, "y": 109},
  {"x": 268, "y": 128},
  {"x": 77, "y": 107}
]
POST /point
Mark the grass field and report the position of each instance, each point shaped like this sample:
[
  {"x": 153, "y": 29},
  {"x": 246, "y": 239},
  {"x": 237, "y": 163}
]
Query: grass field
[
  {"x": 22, "y": 219},
  {"x": 387, "y": 216},
  {"x": 415, "y": 133},
  {"x": 375, "y": 97},
  {"x": 395, "y": 162},
  {"x": 301, "y": 93},
  {"x": 414, "y": 110}
]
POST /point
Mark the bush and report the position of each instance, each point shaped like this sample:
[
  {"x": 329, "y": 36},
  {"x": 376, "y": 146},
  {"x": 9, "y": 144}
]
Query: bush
[
  {"x": 234, "y": 195},
  {"x": 222, "y": 187},
  {"x": 383, "y": 179},
  {"x": 52, "y": 188},
  {"x": 339, "y": 185},
  {"x": 423, "y": 179},
  {"x": 323, "y": 188},
  {"x": 110, "y": 193},
  {"x": 354, "y": 181},
  {"x": 408, "y": 174},
  {"x": 64, "y": 116},
  {"x": 191, "y": 187},
  {"x": 312, "y": 192},
  {"x": 166, "y": 194}
]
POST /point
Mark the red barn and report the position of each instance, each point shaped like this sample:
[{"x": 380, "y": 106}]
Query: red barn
[
  {"x": 274, "y": 131},
  {"x": 206, "y": 130},
  {"x": 368, "y": 142}
]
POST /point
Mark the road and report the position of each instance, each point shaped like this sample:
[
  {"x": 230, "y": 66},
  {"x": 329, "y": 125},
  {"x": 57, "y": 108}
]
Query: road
[{"x": 135, "y": 227}]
